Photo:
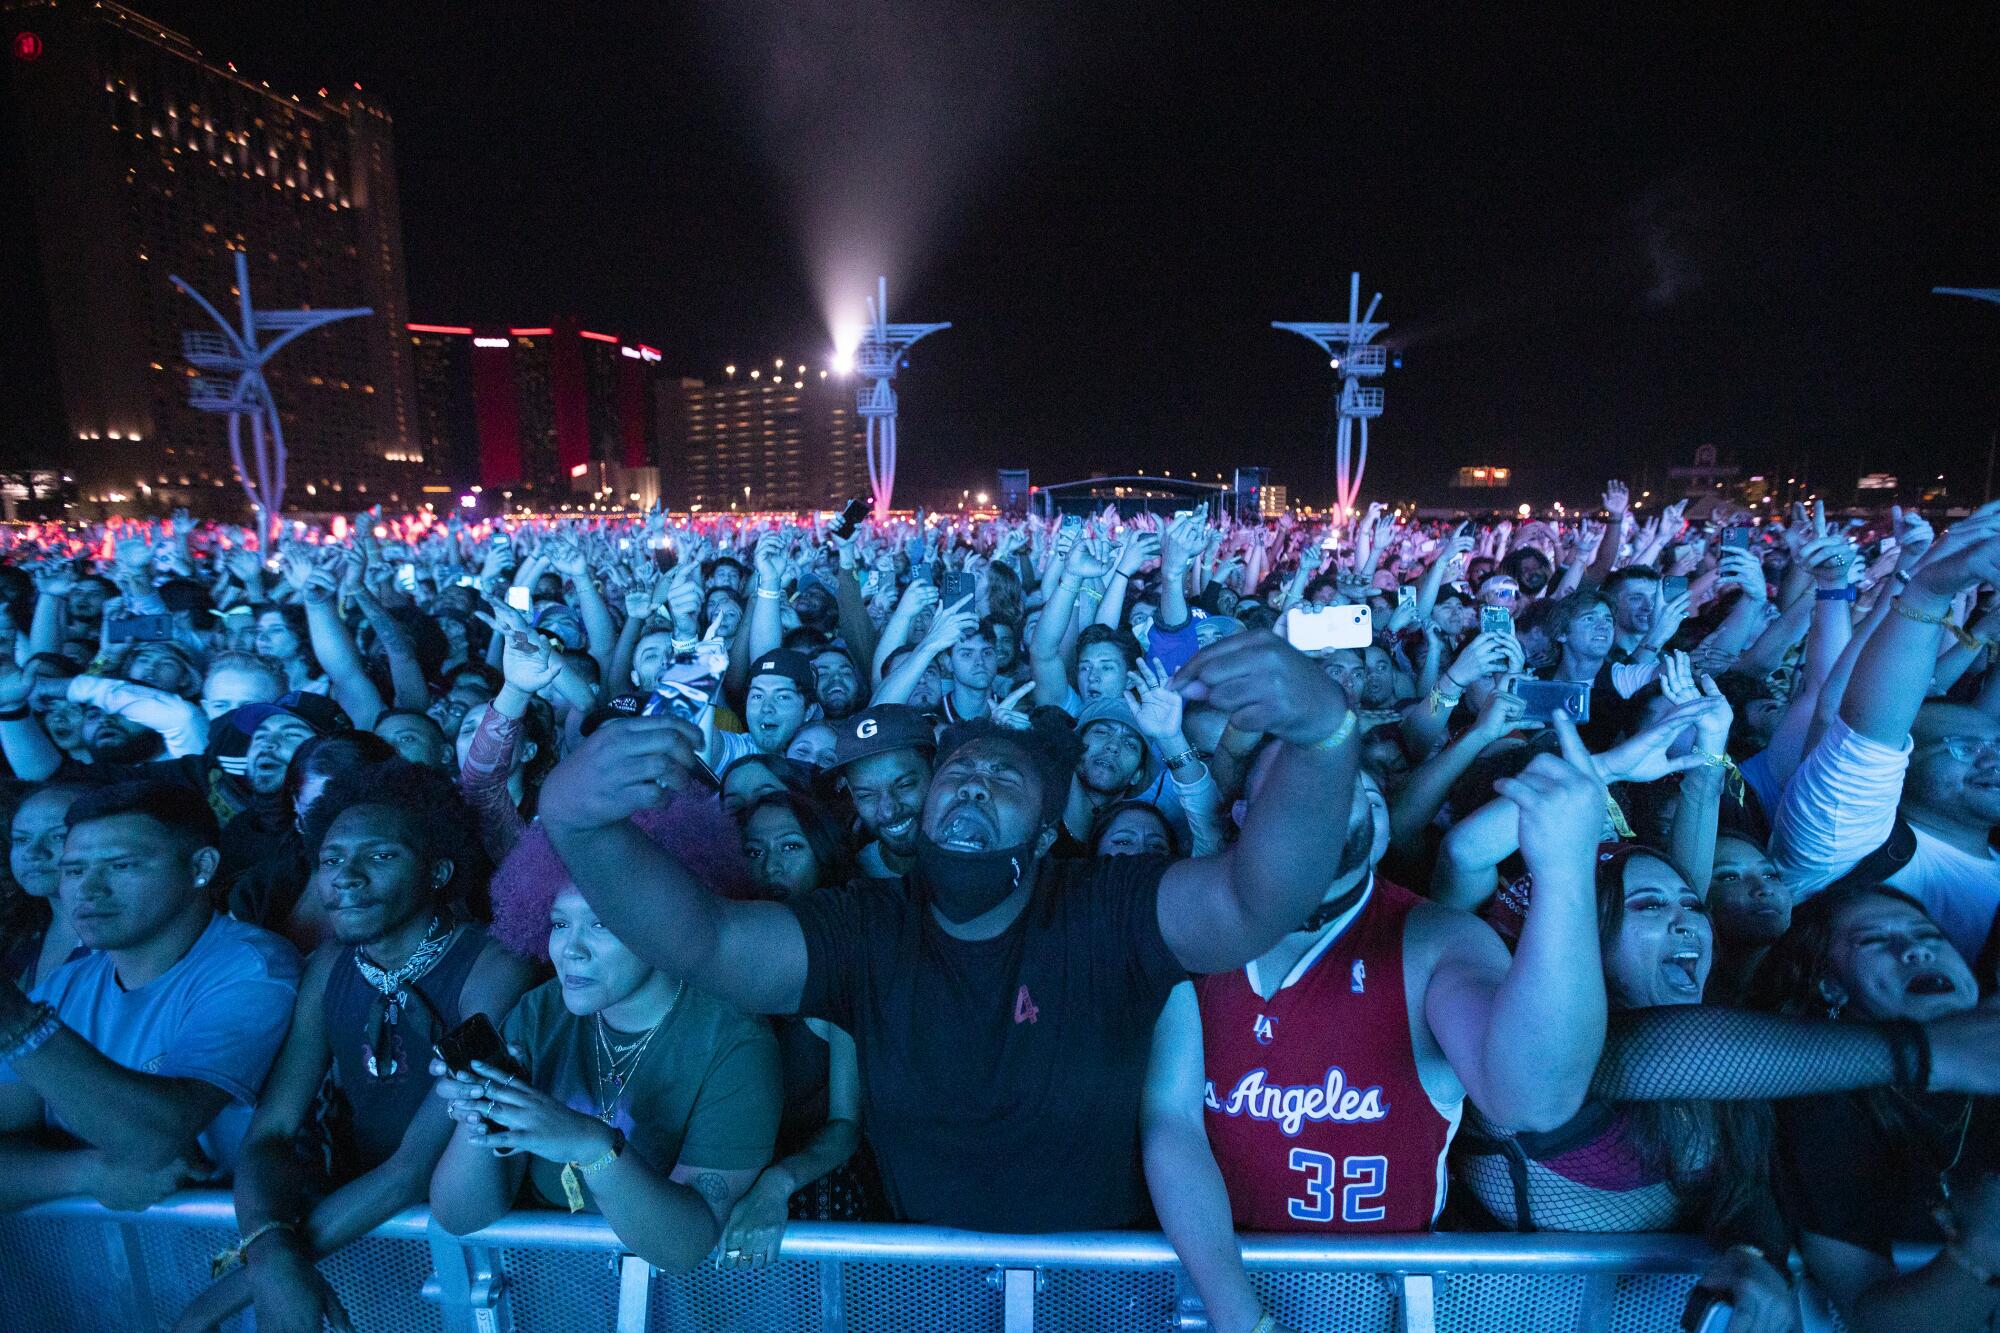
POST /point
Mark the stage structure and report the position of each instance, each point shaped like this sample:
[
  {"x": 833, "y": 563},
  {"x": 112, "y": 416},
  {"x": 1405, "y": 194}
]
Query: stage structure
[
  {"x": 231, "y": 362},
  {"x": 1354, "y": 356},
  {"x": 878, "y": 358}
]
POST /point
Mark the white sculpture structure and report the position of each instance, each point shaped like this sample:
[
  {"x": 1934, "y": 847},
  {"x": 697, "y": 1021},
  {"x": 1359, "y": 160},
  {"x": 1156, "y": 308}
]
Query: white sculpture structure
[
  {"x": 1351, "y": 349},
  {"x": 878, "y": 358},
  {"x": 232, "y": 382}
]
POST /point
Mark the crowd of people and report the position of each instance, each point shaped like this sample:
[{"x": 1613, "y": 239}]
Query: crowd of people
[{"x": 1621, "y": 873}]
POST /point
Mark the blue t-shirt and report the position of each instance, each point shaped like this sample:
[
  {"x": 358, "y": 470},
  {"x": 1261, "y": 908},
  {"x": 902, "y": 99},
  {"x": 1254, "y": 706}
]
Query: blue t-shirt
[{"x": 218, "y": 1015}]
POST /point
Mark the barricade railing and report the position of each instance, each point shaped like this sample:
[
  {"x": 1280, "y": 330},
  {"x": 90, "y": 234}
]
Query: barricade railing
[{"x": 73, "y": 1265}]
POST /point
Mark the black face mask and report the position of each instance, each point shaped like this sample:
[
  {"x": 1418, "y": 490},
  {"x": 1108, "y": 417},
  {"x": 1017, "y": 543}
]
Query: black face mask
[{"x": 965, "y": 885}]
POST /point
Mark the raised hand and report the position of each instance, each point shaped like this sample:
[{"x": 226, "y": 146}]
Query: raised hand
[
  {"x": 1562, "y": 804},
  {"x": 1265, "y": 685},
  {"x": 1136, "y": 550},
  {"x": 1156, "y": 706},
  {"x": 950, "y": 625},
  {"x": 770, "y": 558},
  {"x": 623, "y": 767},
  {"x": 1617, "y": 499},
  {"x": 1007, "y": 712}
]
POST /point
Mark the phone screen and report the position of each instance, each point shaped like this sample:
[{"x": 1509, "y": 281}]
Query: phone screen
[
  {"x": 520, "y": 599},
  {"x": 1495, "y": 620},
  {"x": 1673, "y": 586}
]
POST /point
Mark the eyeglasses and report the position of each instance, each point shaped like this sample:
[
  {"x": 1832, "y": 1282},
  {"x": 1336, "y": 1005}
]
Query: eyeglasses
[{"x": 1966, "y": 749}]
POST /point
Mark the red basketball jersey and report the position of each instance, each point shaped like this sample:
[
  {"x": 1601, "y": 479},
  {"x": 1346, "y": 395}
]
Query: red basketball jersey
[{"x": 1314, "y": 1109}]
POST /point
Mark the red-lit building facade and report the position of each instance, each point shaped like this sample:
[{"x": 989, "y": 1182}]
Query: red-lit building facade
[{"x": 544, "y": 414}]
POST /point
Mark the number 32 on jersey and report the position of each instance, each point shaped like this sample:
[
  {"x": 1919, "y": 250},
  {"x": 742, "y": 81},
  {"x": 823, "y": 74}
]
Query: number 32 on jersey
[{"x": 1360, "y": 1181}]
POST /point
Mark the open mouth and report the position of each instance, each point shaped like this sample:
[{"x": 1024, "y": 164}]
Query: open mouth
[
  {"x": 902, "y": 828},
  {"x": 1683, "y": 969},
  {"x": 966, "y": 830},
  {"x": 1931, "y": 983}
]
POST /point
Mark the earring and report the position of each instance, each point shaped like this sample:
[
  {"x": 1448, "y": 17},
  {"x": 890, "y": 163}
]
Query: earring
[{"x": 1834, "y": 1007}]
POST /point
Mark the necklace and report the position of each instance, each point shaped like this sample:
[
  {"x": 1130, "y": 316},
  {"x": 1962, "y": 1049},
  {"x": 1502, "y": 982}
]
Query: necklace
[
  {"x": 382, "y": 1055},
  {"x": 615, "y": 1066}
]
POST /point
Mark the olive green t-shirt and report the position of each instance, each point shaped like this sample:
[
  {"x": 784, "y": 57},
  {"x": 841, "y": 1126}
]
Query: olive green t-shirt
[{"x": 706, "y": 1093}]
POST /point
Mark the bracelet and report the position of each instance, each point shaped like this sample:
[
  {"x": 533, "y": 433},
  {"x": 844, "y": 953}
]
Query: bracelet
[
  {"x": 608, "y": 1156},
  {"x": 1616, "y": 814},
  {"x": 685, "y": 645},
  {"x": 1340, "y": 735},
  {"x": 1264, "y": 1325},
  {"x": 1185, "y": 756},
  {"x": 1442, "y": 702},
  {"x": 1944, "y": 621},
  {"x": 17, "y": 713},
  {"x": 1845, "y": 593},
  {"x": 1956, "y": 1253},
  {"x": 231, "y": 1257},
  {"x": 771, "y": 594},
  {"x": 41, "y": 1024},
  {"x": 1902, "y": 577}
]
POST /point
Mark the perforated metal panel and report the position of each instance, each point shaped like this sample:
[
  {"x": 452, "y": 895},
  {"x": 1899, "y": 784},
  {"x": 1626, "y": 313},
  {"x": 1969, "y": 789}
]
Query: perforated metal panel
[
  {"x": 911, "y": 1298},
  {"x": 1075, "y": 1300},
  {"x": 785, "y": 1299},
  {"x": 1491, "y": 1302},
  {"x": 52, "y": 1275},
  {"x": 562, "y": 1291},
  {"x": 1650, "y": 1300},
  {"x": 177, "y": 1260},
  {"x": 1360, "y": 1302}
]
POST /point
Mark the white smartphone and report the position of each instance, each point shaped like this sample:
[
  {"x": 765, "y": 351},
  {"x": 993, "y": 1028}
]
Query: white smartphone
[
  {"x": 520, "y": 598},
  {"x": 1323, "y": 629}
]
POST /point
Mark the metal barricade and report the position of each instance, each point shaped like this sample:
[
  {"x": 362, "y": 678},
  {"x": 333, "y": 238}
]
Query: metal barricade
[{"x": 72, "y": 1265}]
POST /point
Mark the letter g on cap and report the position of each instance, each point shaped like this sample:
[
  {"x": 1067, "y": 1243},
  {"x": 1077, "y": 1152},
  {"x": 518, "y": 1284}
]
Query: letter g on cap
[{"x": 867, "y": 729}]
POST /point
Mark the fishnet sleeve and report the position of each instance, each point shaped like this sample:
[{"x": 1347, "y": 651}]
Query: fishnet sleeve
[{"x": 1710, "y": 1053}]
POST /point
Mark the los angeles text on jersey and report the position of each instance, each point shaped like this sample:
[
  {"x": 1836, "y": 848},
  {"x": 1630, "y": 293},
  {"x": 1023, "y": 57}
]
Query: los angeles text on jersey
[{"x": 1290, "y": 1107}]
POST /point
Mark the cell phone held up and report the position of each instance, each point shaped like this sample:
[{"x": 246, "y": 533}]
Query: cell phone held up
[
  {"x": 1541, "y": 700},
  {"x": 125, "y": 629},
  {"x": 1736, "y": 539},
  {"x": 475, "y": 1039},
  {"x": 1328, "y": 628},
  {"x": 1495, "y": 620},
  {"x": 850, "y": 519}
]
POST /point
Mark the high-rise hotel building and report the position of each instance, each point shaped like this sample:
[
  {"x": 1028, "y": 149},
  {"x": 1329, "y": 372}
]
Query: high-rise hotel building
[
  {"x": 142, "y": 157},
  {"x": 774, "y": 436}
]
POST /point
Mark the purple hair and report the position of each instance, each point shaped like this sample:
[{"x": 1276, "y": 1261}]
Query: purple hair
[{"x": 695, "y": 830}]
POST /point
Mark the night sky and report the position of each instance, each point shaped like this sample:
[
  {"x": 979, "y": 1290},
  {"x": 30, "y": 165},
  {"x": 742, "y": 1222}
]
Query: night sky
[{"x": 1593, "y": 242}]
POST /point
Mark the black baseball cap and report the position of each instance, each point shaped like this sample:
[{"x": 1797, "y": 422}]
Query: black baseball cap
[
  {"x": 880, "y": 729},
  {"x": 792, "y": 665}
]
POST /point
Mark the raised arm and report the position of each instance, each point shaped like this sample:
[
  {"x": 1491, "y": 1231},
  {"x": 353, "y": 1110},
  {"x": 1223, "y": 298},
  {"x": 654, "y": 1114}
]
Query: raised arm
[
  {"x": 1479, "y": 1001},
  {"x": 406, "y": 674},
  {"x": 766, "y": 618},
  {"x": 1222, "y": 911},
  {"x": 951, "y": 624},
  {"x": 334, "y": 646},
  {"x": 750, "y": 955},
  {"x": 181, "y": 725},
  {"x": 1617, "y": 499},
  {"x": 1045, "y": 649}
]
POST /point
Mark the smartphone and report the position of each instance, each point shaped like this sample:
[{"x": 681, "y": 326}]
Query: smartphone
[
  {"x": 520, "y": 599},
  {"x": 124, "y": 629},
  {"x": 1543, "y": 698},
  {"x": 954, "y": 584},
  {"x": 684, "y": 699},
  {"x": 1322, "y": 629},
  {"x": 468, "y": 580},
  {"x": 1673, "y": 586},
  {"x": 851, "y": 515},
  {"x": 1495, "y": 620},
  {"x": 1738, "y": 538},
  {"x": 1406, "y": 597},
  {"x": 476, "y": 1039},
  {"x": 406, "y": 577}
]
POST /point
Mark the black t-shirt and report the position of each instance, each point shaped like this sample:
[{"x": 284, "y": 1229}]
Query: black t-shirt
[
  {"x": 1001, "y": 1079},
  {"x": 1844, "y": 1176}
]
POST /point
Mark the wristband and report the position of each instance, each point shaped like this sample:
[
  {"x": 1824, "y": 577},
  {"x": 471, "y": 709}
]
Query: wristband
[
  {"x": 1845, "y": 593},
  {"x": 231, "y": 1257},
  {"x": 40, "y": 1024},
  {"x": 1443, "y": 702},
  {"x": 771, "y": 594},
  {"x": 15, "y": 714},
  {"x": 1340, "y": 735},
  {"x": 1944, "y": 621}
]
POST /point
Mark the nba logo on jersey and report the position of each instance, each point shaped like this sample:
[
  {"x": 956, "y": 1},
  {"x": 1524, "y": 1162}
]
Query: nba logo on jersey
[
  {"x": 1359, "y": 985},
  {"x": 1261, "y": 1030}
]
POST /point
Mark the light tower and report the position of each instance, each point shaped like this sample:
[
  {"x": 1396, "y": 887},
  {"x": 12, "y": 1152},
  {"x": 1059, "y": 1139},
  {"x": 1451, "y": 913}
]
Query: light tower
[
  {"x": 232, "y": 382},
  {"x": 1351, "y": 349},
  {"x": 879, "y": 357}
]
